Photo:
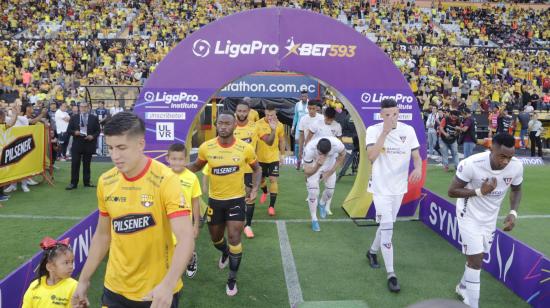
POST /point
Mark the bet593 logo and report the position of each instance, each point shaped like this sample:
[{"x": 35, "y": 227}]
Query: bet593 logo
[{"x": 319, "y": 50}]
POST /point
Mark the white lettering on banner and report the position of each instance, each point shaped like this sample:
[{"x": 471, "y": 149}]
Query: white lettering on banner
[
  {"x": 81, "y": 244},
  {"x": 438, "y": 217},
  {"x": 165, "y": 131},
  {"x": 182, "y": 100},
  {"x": 379, "y": 97},
  {"x": 165, "y": 116},
  {"x": 531, "y": 161},
  {"x": 319, "y": 49},
  {"x": 244, "y": 86},
  {"x": 402, "y": 117},
  {"x": 234, "y": 50}
]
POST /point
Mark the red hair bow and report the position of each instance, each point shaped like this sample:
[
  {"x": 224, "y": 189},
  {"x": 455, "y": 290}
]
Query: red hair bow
[{"x": 48, "y": 243}]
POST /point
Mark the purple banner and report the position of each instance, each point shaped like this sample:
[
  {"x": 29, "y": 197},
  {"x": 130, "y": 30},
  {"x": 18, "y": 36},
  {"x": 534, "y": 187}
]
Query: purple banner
[
  {"x": 519, "y": 267},
  {"x": 274, "y": 40},
  {"x": 13, "y": 286}
]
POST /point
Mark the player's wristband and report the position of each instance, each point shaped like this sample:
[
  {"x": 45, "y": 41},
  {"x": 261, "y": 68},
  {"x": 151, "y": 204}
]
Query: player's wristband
[
  {"x": 513, "y": 212},
  {"x": 478, "y": 192}
]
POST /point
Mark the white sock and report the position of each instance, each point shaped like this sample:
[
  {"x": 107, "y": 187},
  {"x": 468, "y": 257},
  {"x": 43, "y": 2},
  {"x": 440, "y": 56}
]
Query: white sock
[
  {"x": 376, "y": 243},
  {"x": 326, "y": 198},
  {"x": 386, "y": 232},
  {"x": 472, "y": 283},
  {"x": 312, "y": 197}
]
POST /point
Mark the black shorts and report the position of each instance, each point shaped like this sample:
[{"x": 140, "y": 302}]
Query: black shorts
[
  {"x": 270, "y": 169},
  {"x": 248, "y": 180},
  {"x": 220, "y": 211},
  {"x": 111, "y": 299}
]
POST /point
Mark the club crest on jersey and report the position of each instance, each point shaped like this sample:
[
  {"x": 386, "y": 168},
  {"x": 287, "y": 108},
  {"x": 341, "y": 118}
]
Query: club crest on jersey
[
  {"x": 236, "y": 159},
  {"x": 247, "y": 140},
  {"x": 146, "y": 200},
  {"x": 507, "y": 181},
  {"x": 403, "y": 138},
  {"x": 387, "y": 245}
]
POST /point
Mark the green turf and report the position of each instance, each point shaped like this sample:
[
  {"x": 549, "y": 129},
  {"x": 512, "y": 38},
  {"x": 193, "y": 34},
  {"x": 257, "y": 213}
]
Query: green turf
[{"x": 331, "y": 265}]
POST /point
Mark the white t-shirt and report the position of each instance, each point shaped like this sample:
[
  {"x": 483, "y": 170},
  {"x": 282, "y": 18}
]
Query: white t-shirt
[
  {"x": 390, "y": 170},
  {"x": 21, "y": 121},
  {"x": 61, "y": 124},
  {"x": 307, "y": 121},
  {"x": 311, "y": 154},
  {"x": 474, "y": 170},
  {"x": 115, "y": 110},
  {"x": 321, "y": 129}
]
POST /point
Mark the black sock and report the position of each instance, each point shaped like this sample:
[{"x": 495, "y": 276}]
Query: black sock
[
  {"x": 234, "y": 262},
  {"x": 264, "y": 189},
  {"x": 222, "y": 247},
  {"x": 249, "y": 214},
  {"x": 272, "y": 199}
]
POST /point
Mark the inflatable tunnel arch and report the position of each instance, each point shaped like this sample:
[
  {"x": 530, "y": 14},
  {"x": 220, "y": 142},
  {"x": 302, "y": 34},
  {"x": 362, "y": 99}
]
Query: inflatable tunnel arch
[{"x": 279, "y": 39}]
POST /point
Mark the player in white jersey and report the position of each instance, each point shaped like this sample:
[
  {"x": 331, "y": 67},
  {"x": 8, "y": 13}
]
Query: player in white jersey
[
  {"x": 305, "y": 124},
  {"x": 390, "y": 145},
  {"x": 480, "y": 184},
  {"x": 322, "y": 157},
  {"x": 327, "y": 127}
]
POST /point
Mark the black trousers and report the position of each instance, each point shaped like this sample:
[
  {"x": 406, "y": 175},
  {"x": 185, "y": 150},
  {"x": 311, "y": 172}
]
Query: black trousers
[
  {"x": 535, "y": 141},
  {"x": 80, "y": 154},
  {"x": 111, "y": 299}
]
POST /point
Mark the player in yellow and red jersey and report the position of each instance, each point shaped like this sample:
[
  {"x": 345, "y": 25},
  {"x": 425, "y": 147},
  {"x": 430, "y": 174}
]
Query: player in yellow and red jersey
[
  {"x": 227, "y": 158},
  {"x": 140, "y": 205},
  {"x": 246, "y": 131}
]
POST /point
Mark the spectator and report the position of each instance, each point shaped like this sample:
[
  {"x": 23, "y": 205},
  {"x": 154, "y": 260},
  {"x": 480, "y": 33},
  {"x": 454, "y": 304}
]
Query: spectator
[
  {"x": 535, "y": 130},
  {"x": 115, "y": 109},
  {"x": 62, "y": 122},
  {"x": 431, "y": 124},
  {"x": 449, "y": 131},
  {"x": 468, "y": 129},
  {"x": 101, "y": 112},
  {"x": 524, "y": 118},
  {"x": 493, "y": 121},
  {"x": 84, "y": 127}
]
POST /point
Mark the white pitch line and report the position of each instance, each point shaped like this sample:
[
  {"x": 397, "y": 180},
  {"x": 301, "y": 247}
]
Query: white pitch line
[
  {"x": 331, "y": 220},
  {"x": 291, "y": 275},
  {"x": 21, "y": 216}
]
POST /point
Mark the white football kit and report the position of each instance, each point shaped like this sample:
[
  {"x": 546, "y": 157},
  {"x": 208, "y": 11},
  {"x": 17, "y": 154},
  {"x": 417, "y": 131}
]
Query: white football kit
[{"x": 477, "y": 216}]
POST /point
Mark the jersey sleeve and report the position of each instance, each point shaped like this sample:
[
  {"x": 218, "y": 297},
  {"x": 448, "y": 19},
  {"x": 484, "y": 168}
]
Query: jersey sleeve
[
  {"x": 172, "y": 198},
  {"x": 518, "y": 179},
  {"x": 309, "y": 155},
  {"x": 338, "y": 132},
  {"x": 196, "y": 190},
  {"x": 413, "y": 139},
  {"x": 280, "y": 131},
  {"x": 27, "y": 298},
  {"x": 465, "y": 171},
  {"x": 202, "y": 153},
  {"x": 339, "y": 146},
  {"x": 249, "y": 155},
  {"x": 371, "y": 136},
  {"x": 100, "y": 199}
]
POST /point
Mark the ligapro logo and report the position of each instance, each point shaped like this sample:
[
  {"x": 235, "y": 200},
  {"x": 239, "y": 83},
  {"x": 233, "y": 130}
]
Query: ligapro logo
[
  {"x": 169, "y": 98},
  {"x": 379, "y": 97},
  {"x": 201, "y": 48}
]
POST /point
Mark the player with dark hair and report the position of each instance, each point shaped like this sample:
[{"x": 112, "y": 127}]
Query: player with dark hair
[
  {"x": 271, "y": 144},
  {"x": 140, "y": 206},
  {"x": 480, "y": 184},
  {"x": 227, "y": 158},
  {"x": 390, "y": 146}
]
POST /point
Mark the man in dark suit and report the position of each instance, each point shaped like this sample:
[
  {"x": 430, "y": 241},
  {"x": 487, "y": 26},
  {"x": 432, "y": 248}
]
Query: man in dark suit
[{"x": 84, "y": 127}]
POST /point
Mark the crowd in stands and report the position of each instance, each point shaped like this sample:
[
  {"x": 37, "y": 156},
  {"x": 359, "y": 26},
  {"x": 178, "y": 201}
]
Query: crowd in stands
[{"x": 455, "y": 58}]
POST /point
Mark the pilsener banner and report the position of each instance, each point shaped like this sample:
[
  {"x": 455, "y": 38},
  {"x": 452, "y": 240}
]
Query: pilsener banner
[
  {"x": 22, "y": 152},
  {"x": 279, "y": 40},
  {"x": 519, "y": 267}
]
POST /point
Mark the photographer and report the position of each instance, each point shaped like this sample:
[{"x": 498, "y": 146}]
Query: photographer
[{"x": 449, "y": 131}]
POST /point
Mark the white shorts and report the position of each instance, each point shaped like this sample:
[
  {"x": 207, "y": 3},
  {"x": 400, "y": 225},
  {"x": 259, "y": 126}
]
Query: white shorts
[
  {"x": 476, "y": 238},
  {"x": 313, "y": 181},
  {"x": 387, "y": 207},
  {"x": 454, "y": 90}
]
